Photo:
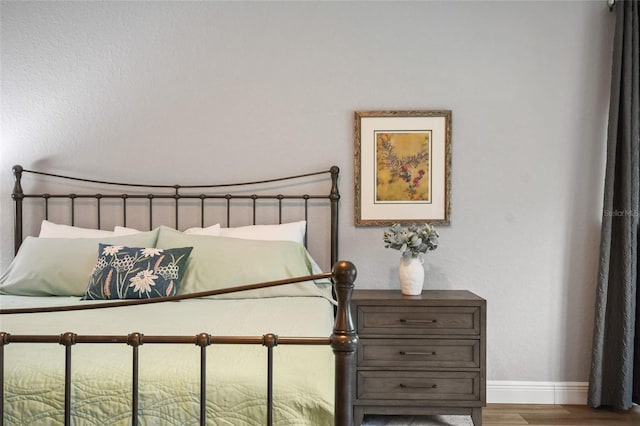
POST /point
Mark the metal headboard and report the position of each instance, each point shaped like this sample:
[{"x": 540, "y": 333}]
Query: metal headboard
[{"x": 203, "y": 193}]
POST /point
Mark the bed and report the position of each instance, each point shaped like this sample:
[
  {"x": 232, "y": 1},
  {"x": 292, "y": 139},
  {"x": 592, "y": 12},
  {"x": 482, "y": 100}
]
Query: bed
[{"x": 176, "y": 304}]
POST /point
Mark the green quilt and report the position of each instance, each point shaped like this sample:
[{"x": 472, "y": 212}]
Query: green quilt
[{"x": 169, "y": 388}]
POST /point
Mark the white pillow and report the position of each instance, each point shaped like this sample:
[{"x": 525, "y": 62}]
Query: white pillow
[
  {"x": 54, "y": 230},
  {"x": 292, "y": 231},
  {"x": 121, "y": 230},
  {"x": 213, "y": 230}
]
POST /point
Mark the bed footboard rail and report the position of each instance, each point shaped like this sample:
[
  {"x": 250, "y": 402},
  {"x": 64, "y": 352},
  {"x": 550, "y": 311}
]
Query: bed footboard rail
[
  {"x": 136, "y": 340},
  {"x": 343, "y": 342}
]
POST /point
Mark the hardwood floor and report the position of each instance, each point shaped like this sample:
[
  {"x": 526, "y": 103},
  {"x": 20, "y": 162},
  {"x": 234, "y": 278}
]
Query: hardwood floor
[
  {"x": 519, "y": 415},
  {"x": 557, "y": 415}
]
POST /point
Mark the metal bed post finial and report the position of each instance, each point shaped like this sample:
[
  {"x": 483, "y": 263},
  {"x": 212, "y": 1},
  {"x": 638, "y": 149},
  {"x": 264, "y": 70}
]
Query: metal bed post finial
[
  {"x": 17, "y": 172},
  {"x": 67, "y": 340},
  {"x": 203, "y": 340},
  {"x": 135, "y": 341},
  {"x": 18, "y": 196},
  {"x": 344, "y": 342}
]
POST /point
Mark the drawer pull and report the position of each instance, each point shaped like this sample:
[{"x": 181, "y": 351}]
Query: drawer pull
[
  {"x": 433, "y": 386},
  {"x": 417, "y": 353},
  {"x": 417, "y": 321}
]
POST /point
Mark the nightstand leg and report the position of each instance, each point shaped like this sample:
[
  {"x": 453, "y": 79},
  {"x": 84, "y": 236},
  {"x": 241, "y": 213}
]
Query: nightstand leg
[
  {"x": 358, "y": 416},
  {"x": 476, "y": 416}
]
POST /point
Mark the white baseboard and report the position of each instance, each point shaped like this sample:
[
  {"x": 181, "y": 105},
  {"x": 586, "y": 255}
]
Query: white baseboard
[{"x": 512, "y": 392}]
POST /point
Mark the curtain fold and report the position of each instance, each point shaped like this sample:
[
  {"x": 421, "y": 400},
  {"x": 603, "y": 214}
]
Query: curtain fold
[{"x": 615, "y": 361}]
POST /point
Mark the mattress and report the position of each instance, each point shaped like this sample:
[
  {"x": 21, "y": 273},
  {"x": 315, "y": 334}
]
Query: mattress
[{"x": 169, "y": 387}]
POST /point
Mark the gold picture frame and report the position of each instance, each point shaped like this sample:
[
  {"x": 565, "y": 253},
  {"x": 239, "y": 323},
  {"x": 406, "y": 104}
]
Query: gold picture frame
[{"x": 402, "y": 167}]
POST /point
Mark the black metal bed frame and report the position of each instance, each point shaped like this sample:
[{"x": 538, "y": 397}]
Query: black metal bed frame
[
  {"x": 343, "y": 340},
  {"x": 177, "y": 193}
]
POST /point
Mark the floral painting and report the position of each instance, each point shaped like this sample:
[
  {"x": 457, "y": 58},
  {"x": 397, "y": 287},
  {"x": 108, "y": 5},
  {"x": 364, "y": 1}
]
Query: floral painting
[{"x": 403, "y": 166}]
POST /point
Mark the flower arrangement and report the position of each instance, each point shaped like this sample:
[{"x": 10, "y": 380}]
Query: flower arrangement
[{"x": 413, "y": 240}]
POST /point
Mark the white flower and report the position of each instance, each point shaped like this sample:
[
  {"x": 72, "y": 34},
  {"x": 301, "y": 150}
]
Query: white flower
[
  {"x": 100, "y": 265},
  {"x": 150, "y": 252},
  {"x": 111, "y": 250},
  {"x": 143, "y": 281},
  {"x": 123, "y": 264},
  {"x": 169, "y": 272},
  {"x": 413, "y": 241}
]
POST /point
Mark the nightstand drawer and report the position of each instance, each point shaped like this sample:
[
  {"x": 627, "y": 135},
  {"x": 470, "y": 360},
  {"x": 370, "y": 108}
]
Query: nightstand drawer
[
  {"x": 406, "y": 320},
  {"x": 418, "y": 385},
  {"x": 419, "y": 353}
]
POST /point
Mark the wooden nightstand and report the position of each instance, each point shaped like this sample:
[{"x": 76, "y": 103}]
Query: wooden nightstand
[{"x": 420, "y": 355}]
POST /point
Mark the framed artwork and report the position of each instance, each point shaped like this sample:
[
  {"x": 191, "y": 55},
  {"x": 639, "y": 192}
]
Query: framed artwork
[{"x": 402, "y": 167}]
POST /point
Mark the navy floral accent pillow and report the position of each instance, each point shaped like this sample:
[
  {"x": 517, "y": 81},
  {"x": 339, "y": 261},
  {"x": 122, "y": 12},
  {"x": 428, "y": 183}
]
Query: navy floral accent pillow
[{"x": 136, "y": 273}]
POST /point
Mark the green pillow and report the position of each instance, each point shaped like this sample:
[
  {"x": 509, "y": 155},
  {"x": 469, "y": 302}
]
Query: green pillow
[
  {"x": 136, "y": 272},
  {"x": 221, "y": 262},
  {"x": 60, "y": 266}
]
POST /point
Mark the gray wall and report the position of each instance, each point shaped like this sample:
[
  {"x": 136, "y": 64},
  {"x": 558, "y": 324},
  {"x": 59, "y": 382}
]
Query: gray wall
[{"x": 192, "y": 92}]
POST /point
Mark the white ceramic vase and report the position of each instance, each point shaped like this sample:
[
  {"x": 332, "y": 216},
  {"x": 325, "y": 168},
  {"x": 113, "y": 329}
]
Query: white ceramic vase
[{"x": 411, "y": 273}]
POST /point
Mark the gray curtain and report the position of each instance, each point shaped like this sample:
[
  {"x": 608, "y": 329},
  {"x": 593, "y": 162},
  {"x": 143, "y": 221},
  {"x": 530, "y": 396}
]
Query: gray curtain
[{"x": 615, "y": 363}]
